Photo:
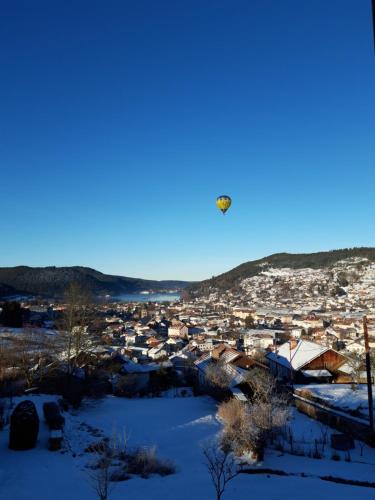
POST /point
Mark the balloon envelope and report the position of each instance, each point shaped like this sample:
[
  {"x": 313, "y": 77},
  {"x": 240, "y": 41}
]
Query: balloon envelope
[{"x": 223, "y": 202}]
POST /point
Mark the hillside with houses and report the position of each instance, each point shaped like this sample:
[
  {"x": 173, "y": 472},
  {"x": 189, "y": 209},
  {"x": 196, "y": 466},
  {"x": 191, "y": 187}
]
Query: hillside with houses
[{"x": 324, "y": 282}]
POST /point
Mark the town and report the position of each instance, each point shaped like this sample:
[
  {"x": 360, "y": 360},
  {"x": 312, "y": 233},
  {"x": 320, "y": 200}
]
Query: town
[{"x": 307, "y": 353}]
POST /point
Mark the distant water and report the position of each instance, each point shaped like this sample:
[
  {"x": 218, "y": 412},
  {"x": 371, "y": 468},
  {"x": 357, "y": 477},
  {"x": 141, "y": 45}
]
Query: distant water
[{"x": 148, "y": 297}]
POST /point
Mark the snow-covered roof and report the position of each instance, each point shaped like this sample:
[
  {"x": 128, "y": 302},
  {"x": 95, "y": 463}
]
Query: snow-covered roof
[
  {"x": 229, "y": 355},
  {"x": 235, "y": 373},
  {"x": 317, "y": 373},
  {"x": 346, "y": 368},
  {"x": 298, "y": 356},
  {"x": 130, "y": 367},
  {"x": 238, "y": 394},
  {"x": 203, "y": 361}
]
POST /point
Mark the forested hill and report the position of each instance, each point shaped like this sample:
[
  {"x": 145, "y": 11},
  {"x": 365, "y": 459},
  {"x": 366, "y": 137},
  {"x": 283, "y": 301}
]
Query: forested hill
[
  {"x": 52, "y": 281},
  {"x": 319, "y": 260}
]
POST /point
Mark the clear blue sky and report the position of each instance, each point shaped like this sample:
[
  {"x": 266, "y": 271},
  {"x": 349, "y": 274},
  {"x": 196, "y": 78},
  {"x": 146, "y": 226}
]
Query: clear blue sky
[{"x": 121, "y": 121}]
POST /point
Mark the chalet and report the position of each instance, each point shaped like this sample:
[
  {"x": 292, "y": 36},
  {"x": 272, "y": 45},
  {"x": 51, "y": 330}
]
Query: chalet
[{"x": 300, "y": 361}]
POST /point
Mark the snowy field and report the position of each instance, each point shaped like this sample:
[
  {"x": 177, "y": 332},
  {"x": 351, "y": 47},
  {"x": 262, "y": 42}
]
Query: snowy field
[{"x": 178, "y": 427}]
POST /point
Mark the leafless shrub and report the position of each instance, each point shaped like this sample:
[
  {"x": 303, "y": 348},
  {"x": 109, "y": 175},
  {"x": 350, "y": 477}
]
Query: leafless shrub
[
  {"x": 290, "y": 439},
  {"x": 145, "y": 462},
  {"x": 361, "y": 447},
  {"x": 269, "y": 410},
  {"x": 239, "y": 434},
  {"x": 221, "y": 466},
  {"x": 100, "y": 471},
  {"x": 2, "y": 415},
  {"x": 356, "y": 363},
  {"x": 231, "y": 412},
  {"x": 316, "y": 453},
  {"x": 127, "y": 385},
  {"x": 248, "y": 427},
  {"x": 97, "y": 447},
  {"x": 324, "y": 435},
  {"x": 217, "y": 377}
]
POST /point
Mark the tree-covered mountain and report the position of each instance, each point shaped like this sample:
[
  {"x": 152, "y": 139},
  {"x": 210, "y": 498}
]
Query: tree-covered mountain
[
  {"x": 318, "y": 260},
  {"x": 52, "y": 281}
]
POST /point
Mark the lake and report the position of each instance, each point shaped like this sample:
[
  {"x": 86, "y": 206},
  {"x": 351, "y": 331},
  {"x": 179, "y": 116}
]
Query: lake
[{"x": 149, "y": 297}]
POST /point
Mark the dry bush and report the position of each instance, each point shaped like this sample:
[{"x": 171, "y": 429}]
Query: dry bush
[
  {"x": 269, "y": 410},
  {"x": 231, "y": 412},
  {"x": 144, "y": 462},
  {"x": 127, "y": 385},
  {"x": 240, "y": 434},
  {"x": 248, "y": 426},
  {"x": 113, "y": 462},
  {"x": 216, "y": 375}
]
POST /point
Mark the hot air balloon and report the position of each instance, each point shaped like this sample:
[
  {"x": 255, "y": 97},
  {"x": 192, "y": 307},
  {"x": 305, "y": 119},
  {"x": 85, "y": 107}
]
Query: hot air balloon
[{"x": 223, "y": 202}]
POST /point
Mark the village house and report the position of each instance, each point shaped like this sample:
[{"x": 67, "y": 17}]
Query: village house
[
  {"x": 303, "y": 361},
  {"x": 178, "y": 329},
  {"x": 203, "y": 344},
  {"x": 157, "y": 352},
  {"x": 253, "y": 341}
]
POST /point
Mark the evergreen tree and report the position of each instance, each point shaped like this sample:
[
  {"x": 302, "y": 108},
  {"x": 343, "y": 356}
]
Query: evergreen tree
[{"x": 11, "y": 314}]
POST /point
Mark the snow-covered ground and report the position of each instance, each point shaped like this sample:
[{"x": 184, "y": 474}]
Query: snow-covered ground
[
  {"x": 4, "y": 331},
  {"x": 342, "y": 395},
  {"x": 178, "y": 427}
]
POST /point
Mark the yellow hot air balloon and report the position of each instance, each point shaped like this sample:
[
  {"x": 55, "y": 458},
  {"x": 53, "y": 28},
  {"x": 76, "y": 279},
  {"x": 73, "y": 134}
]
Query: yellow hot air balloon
[{"x": 223, "y": 203}]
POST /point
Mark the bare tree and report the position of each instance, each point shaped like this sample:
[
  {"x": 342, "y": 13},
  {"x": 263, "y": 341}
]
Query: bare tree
[
  {"x": 30, "y": 347},
  {"x": 74, "y": 323},
  {"x": 269, "y": 410},
  {"x": 221, "y": 466},
  {"x": 262, "y": 384},
  {"x": 217, "y": 378},
  {"x": 356, "y": 363}
]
